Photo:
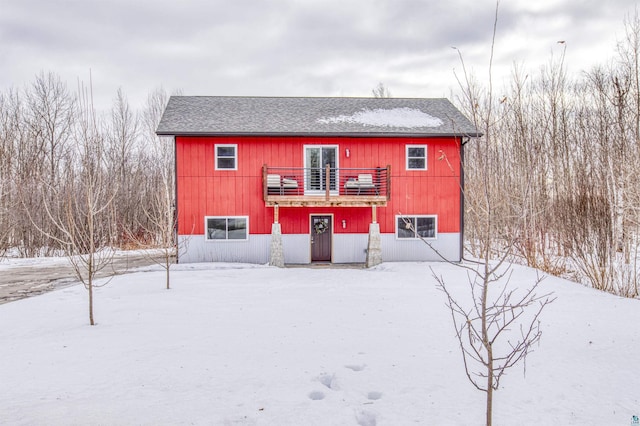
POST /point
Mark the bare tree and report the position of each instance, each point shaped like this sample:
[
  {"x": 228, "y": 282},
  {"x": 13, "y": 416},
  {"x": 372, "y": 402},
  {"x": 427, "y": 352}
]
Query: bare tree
[
  {"x": 45, "y": 123},
  {"x": 381, "y": 91},
  {"x": 496, "y": 325},
  {"x": 85, "y": 222},
  {"x": 566, "y": 151},
  {"x": 8, "y": 132},
  {"x": 157, "y": 229},
  {"x": 123, "y": 158},
  {"x": 50, "y": 118},
  {"x": 88, "y": 222},
  {"x": 158, "y": 224}
]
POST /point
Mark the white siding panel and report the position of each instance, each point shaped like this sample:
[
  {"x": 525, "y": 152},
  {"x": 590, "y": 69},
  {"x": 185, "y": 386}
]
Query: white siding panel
[
  {"x": 297, "y": 248},
  {"x": 350, "y": 248},
  {"x": 256, "y": 250},
  {"x": 347, "y": 248},
  {"x": 394, "y": 250}
]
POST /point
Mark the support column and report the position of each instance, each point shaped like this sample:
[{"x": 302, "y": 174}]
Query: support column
[
  {"x": 276, "y": 257},
  {"x": 374, "y": 246}
]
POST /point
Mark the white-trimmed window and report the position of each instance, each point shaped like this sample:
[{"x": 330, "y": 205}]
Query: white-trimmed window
[
  {"x": 417, "y": 226},
  {"x": 226, "y": 156},
  {"x": 316, "y": 159},
  {"x": 416, "y": 157},
  {"x": 226, "y": 228}
]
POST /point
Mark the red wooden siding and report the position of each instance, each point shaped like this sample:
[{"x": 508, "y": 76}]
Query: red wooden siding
[{"x": 204, "y": 191}]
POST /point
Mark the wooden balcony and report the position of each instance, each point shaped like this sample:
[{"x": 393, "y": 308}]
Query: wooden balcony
[{"x": 338, "y": 187}]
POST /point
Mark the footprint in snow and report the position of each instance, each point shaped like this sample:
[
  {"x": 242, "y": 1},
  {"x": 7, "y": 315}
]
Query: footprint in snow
[
  {"x": 366, "y": 418},
  {"x": 316, "y": 395},
  {"x": 374, "y": 396},
  {"x": 330, "y": 381},
  {"x": 355, "y": 367}
]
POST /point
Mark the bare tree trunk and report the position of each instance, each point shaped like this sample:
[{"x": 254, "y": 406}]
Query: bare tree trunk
[
  {"x": 85, "y": 227},
  {"x": 123, "y": 156},
  {"x": 159, "y": 217},
  {"x": 486, "y": 342},
  {"x": 497, "y": 210}
]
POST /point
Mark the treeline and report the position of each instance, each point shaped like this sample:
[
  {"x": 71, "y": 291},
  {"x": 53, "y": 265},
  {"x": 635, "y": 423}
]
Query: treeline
[
  {"x": 73, "y": 180},
  {"x": 560, "y": 165},
  {"x": 554, "y": 180}
]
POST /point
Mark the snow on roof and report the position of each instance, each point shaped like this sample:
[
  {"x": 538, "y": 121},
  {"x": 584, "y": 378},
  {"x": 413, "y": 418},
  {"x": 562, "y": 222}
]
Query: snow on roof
[{"x": 395, "y": 117}]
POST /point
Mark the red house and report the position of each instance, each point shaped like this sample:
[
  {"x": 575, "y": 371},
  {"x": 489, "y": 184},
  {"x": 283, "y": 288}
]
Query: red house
[{"x": 305, "y": 180}]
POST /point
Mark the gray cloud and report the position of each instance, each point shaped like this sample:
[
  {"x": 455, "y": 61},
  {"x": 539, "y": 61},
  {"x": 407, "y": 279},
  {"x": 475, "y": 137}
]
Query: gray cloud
[{"x": 291, "y": 47}]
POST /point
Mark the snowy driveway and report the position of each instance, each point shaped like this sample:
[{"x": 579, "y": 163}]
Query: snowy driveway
[{"x": 22, "y": 278}]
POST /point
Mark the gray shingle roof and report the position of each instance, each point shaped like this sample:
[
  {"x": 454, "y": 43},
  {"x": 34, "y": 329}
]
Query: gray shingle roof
[{"x": 214, "y": 115}]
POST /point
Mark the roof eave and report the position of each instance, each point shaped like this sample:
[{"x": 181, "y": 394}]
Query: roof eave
[{"x": 323, "y": 134}]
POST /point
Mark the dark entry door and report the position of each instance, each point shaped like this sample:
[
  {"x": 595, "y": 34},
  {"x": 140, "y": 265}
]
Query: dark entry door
[{"x": 321, "y": 238}]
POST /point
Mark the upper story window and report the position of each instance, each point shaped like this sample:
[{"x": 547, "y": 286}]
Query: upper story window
[
  {"x": 416, "y": 157},
  {"x": 316, "y": 159},
  {"x": 226, "y": 157}
]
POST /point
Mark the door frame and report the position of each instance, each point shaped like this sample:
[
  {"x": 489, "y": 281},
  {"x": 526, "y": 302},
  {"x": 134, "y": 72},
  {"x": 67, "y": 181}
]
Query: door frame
[
  {"x": 330, "y": 231},
  {"x": 307, "y": 168}
]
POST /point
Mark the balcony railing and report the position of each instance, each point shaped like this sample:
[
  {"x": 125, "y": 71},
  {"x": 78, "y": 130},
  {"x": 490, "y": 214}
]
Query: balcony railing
[{"x": 326, "y": 186}]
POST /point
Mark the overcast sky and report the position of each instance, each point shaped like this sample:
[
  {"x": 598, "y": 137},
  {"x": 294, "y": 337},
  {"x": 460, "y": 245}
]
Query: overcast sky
[{"x": 294, "y": 47}]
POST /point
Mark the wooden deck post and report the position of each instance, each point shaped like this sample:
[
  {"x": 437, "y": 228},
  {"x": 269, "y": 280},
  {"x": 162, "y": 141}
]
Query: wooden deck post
[
  {"x": 276, "y": 213},
  {"x": 374, "y": 214},
  {"x": 327, "y": 180},
  {"x": 265, "y": 190},
  {"x": 388, "y": 182}
]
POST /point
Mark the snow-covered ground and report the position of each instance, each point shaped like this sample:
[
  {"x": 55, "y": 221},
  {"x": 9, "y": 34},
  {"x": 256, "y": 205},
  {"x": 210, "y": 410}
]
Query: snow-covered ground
[{"x": 254, "y": 345}]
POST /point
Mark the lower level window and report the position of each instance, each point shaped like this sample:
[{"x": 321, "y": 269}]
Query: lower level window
[
  {"x": 226, "y": 228},
  {"x": 416, "y": 227}
]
